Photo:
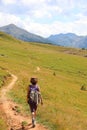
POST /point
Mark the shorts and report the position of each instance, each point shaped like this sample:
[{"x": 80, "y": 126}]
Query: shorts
[{"x": 33, "y": 106}]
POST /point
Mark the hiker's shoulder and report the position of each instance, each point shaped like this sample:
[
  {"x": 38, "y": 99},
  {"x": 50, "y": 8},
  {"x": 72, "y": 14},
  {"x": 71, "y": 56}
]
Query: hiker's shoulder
[
  {"x": 38, "y": 87},
  {"x": 29, "y": 86}
]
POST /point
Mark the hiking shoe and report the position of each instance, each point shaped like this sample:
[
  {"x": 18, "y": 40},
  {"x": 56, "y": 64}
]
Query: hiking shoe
[{"x": 33, "y": 123}]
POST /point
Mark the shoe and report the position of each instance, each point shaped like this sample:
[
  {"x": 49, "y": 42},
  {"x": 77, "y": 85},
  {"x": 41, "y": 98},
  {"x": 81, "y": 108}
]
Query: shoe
[{"x": 33, "y": 123}]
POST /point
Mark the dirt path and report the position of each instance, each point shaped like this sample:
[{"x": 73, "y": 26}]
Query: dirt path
[{"x": 15, "y": 120}]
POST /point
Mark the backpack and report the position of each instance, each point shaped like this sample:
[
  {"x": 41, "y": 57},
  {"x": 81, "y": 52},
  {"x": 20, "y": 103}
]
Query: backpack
[{"x": 35, "y": 95}]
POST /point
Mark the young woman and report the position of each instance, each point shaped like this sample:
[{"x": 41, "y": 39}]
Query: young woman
[{"x": 32, "y": 90}]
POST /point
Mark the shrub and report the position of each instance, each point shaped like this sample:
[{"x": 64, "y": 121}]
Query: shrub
[{"x": 83, "y": 87}]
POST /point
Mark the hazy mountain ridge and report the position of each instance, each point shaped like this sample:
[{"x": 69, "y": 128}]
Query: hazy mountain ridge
[
  {"x": 68, "y": 39},
  {"x": 22, "y": 34}
]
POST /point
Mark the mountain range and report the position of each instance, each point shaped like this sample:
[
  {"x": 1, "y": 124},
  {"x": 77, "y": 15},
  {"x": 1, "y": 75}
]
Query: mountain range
[
  {"x": 68, "y": 39},
  {"x": 22, "y": 34}
]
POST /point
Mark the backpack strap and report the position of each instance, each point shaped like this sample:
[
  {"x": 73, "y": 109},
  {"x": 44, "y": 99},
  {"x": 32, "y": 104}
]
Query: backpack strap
[{"x": 33, "y": 88}]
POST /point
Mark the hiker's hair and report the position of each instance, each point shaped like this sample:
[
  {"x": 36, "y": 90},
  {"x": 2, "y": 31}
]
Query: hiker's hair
[{"x": 34, "y": 81}]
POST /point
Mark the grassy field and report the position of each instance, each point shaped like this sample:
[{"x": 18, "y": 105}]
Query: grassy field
[{"x": 62, "y": 72}]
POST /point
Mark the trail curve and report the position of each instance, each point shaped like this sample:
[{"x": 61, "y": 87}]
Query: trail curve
[{"x": 15, "y": 120}]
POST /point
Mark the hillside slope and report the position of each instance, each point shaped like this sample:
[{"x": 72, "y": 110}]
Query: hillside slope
[{"x": 61, "y": 74}]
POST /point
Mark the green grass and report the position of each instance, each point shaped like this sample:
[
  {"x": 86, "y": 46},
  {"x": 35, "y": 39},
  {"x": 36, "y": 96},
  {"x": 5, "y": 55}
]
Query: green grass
[
  {"x": 4, "y": 75},
  {"x": 65, "y": 104}
]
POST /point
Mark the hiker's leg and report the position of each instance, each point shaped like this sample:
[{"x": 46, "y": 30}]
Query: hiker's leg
[
  {"x": 32, "y": 107},
  {"x": 32, "y": 110},
  {"x": 34, "y": 114},
  {"x": 35, "y": 109},
  {"x": 33, "y": 119}
]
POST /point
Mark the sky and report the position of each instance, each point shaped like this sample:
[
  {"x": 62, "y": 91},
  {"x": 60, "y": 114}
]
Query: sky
[{"x": 45, "y": 17}]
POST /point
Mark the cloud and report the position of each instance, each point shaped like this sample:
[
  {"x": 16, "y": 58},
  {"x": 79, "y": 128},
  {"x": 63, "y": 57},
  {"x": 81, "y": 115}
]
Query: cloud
[
  {"x": 47, "y": 29},
  {"x": 8, "y": 18},
  {"x": 33, "y": 2},
  {"x": 33, "y": 8},
  {"x": 45, "y": 17},
  {"x": 80, "y": 25},
  {"x": 6, "y": 2}
]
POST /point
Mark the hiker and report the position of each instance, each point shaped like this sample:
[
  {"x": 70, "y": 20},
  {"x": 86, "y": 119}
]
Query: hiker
[{"x": 34, "y": 98}]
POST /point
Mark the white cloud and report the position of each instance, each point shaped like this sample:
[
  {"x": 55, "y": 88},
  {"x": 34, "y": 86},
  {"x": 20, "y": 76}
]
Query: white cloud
[
  {"x": 9, "y": 1},
  {"x": 53, "y": 16},
  {"x": 40, "y": 13},
  {"x": 47, "y": 29},
  {"x": 79, "y": 26},
  {"x": 40, "y": 9},
  {"x": 8, "y": 18},
  {"x": 32, "y": 2}
]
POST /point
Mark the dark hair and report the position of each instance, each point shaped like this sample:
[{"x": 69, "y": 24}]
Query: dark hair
[{"x": 34, "y": 81}]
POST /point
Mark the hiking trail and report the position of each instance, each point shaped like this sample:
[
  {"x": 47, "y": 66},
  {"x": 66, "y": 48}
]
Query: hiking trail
[{"x": 14, "y": 119}]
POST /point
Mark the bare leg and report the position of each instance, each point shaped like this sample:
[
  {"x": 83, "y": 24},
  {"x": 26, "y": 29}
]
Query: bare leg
[{"x": 33, "y": 118}]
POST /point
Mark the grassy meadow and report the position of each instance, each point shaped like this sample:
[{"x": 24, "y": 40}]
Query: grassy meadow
[{"x": 62, "y": 72}]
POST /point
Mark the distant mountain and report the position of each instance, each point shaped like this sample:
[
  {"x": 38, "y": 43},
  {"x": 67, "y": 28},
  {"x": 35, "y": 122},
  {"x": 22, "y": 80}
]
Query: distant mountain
[
  {"x": 22, "y": 34},
  {"x": 68, "y": 39}
]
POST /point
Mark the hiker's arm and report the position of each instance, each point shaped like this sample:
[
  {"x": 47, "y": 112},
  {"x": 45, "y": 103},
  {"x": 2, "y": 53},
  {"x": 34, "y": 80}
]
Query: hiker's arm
[
  {"x": 28, "y": 92},
  {"x": 41, "y": 97},
  {"x": 41, "y": 100}
]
